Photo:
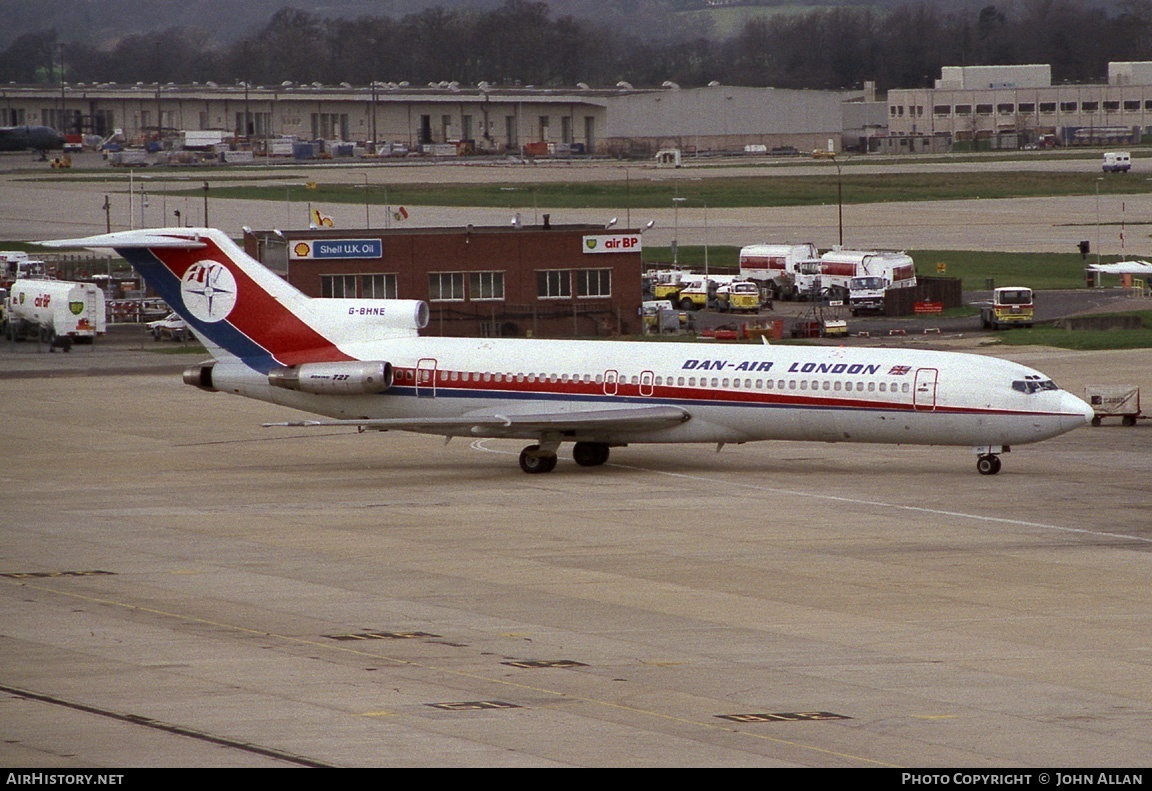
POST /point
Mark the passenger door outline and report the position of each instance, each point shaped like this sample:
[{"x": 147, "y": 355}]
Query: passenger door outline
[
  {"x": 426, "y": 377},
  {"x": 924, "y": 389},
  {"x": 611, "y": 382}
]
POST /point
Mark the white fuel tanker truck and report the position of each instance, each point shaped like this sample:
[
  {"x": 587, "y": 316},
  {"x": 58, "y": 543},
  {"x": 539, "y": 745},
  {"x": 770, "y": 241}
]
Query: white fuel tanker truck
[{"x": 58, "y": 312}]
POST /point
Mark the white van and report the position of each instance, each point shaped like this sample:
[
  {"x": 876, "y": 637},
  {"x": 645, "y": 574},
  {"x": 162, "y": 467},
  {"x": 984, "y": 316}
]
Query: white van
[{"x": 1117, "y": 162}]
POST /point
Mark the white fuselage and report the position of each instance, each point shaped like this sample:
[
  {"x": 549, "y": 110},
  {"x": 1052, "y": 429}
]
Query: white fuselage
[{"x": 733, "y": 393}]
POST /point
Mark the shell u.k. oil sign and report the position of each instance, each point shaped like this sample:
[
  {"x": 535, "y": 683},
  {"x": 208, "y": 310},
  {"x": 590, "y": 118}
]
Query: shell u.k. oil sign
[{"x": 336, "y": 248}]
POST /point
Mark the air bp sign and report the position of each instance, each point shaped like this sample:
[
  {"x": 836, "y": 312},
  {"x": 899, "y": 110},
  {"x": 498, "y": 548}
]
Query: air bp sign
[{"x": 613, "y": 243}]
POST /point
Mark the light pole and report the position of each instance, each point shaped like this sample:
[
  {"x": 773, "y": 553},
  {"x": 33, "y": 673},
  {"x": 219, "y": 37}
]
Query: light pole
[
  {"x": 706, "y": 240},
  {"x": 1098, "y": 180},
  {"x": 839, "y": 199},
  {"x": 676, "y": 229},
  {"x": 627, "y": 199},
  {"x": 367, "y": 219},
  {"x": 839, "y": 189},
  {"x": 143, "y": 200}
]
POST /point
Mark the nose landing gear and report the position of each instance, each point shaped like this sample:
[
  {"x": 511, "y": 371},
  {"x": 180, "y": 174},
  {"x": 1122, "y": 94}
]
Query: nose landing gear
[
  {"x": 988, "y": 464},
  {"x": 988, "y": 458}
]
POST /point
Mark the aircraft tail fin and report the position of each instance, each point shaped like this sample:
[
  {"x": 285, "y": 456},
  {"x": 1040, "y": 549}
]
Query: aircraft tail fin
[{"x": 241, "y": 309}]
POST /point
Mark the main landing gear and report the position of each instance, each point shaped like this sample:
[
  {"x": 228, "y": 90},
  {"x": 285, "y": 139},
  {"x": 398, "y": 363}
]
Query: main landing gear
[
  {"x": 542, "y": 458},
  {"x": 535, "y": 460},
  {"x": 590, "y": 454}
]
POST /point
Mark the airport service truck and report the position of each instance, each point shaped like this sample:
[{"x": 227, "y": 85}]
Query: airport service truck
[
  {"x": 15, "y": 264},
  {"x": 667, "y": 283},
  {"x": 773, "y": 266},
  {"x": 1011, "y": 307},
  {"x": 58, "y": 312},
  {"x": 743, "y": 295},
  {"x": 833, "y": 276},
  {"x": 1117, "y": 162},
  {"x": 699, "y": 291}
]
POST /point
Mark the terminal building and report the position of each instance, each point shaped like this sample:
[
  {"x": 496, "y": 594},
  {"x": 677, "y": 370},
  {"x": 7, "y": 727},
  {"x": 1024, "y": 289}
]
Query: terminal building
[
  {"x": 534, "y": 281},
  {"x": 991, "y": 107}
]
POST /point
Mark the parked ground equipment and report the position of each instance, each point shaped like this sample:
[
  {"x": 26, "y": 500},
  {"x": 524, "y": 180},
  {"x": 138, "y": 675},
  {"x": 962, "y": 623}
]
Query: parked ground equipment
[
  {"x": 1122, "y": 401},
  {"x": 740, "y": 295},
  {"x": 58, "y": 312},
  {"x": 773, "y": 266},
  {"x": 1011, "y": 307}
]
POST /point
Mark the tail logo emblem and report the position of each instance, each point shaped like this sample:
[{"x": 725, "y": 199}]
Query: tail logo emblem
[{"x": 209, "y": 291}]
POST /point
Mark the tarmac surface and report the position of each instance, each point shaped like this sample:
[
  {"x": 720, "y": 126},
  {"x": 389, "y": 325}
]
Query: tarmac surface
[{"x": 181, "y": 587}]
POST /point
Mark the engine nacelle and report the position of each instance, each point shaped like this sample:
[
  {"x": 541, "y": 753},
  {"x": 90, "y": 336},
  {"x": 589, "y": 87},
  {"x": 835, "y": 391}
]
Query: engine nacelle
[
  {"x": 367, "y": 320},
  {"x": 200, "y": 376},
  {"x": 347, "y": 378}
]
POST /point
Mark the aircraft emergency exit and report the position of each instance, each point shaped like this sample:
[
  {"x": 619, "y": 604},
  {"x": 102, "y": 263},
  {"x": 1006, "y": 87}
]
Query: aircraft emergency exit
[{"x": 362, "y": 362}]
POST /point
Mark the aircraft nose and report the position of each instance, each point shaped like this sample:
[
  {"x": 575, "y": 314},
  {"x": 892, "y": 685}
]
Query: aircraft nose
[{"x": 1072, "y": 405}]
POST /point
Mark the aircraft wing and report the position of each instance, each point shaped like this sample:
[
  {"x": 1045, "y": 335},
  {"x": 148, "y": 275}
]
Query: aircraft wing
[
  {"x": 643, "y": 418},
  {"x": 1124, "y": 268}
]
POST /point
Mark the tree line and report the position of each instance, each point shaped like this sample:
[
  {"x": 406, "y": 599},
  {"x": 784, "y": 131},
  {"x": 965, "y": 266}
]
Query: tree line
[{"x": 521, "y": 43}]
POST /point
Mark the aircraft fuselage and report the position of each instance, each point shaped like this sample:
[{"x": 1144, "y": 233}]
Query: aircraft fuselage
[{"x": 734, "y": 393}]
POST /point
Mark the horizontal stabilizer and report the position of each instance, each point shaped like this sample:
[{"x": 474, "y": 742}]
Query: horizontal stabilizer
[{"x": 123, "y": 240}]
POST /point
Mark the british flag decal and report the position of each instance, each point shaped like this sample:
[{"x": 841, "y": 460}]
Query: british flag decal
[{"x": 899, "y": 370}]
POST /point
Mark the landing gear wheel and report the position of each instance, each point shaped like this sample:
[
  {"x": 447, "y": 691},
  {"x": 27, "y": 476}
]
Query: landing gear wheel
[
  {"x": 533, "y": 461},
  {"x": 988, "y": 465},
  {"x": 590, "y": 454}
]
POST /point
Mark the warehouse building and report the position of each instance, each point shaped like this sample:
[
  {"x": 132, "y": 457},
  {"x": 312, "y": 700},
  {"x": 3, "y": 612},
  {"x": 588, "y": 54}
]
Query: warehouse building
[
  {"x": 616, "y": 121},
  {"x": 1017, "y": 106},
  {"x": 535, "y": 281}
]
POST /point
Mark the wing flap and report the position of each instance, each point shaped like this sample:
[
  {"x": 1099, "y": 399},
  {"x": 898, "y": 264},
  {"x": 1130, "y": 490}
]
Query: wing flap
[{"x": 644, "y": 418}]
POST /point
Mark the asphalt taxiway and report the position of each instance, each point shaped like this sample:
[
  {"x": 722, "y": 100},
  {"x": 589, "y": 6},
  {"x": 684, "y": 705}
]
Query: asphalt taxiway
[{"x": 179, "y": 586}]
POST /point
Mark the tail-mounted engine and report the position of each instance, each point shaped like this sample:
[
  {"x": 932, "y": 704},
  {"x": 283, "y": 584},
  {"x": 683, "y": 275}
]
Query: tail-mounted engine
[
  {"x": 347, "y": 378},
  {"x": 200, "y": 376},
  {"x": 366, "y": 320}
]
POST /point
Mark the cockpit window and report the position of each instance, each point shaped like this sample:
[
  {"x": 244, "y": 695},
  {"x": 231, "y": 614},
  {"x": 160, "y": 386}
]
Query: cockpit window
[{"x": 1033, "y": 384}]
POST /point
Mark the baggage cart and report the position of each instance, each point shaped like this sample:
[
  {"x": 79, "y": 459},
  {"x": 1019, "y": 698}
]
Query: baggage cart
[{"x": 1122, "y": 401}]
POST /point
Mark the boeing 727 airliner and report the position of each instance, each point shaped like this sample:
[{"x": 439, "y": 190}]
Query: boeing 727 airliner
[{"x": 362, "y": 362}]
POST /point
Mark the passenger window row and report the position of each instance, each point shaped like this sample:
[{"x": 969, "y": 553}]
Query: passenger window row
[{"x": 823, "y": 385}]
